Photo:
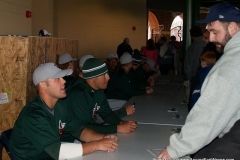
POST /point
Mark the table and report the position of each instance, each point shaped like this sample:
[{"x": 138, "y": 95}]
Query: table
[{"x": 156, "y": 124}]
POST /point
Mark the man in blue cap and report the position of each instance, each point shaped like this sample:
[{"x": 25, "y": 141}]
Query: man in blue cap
[{"x": 211, "y": 129}]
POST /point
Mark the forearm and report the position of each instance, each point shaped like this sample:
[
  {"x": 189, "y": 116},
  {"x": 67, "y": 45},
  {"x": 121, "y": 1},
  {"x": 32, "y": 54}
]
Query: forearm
[{"x": 89, "y": 135}]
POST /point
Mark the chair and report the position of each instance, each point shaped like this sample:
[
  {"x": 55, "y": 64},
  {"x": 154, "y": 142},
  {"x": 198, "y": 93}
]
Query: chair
[{"x": 4, "y": 143}]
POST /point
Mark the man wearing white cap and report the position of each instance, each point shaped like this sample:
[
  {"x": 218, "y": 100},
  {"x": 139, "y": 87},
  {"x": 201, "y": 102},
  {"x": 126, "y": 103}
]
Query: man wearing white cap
[
  {"x": 39, "y": 129},
  {"x": 120, "y": 86},
  {"x": 112, "y": 63},
  {"x": 66, "y": 61}
]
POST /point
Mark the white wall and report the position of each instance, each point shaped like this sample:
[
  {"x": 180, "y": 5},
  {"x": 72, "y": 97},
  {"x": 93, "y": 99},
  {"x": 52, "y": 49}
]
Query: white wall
[
  {"x": 13, "y": 19},
  {"x": 42, "y": 16},
  {"x": 100, "y": 25}
]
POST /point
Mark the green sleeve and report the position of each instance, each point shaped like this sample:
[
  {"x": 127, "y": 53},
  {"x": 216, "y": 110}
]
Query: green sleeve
[
  {"x": 121, "y": 112},
  {"x": 105, "y": 111}
]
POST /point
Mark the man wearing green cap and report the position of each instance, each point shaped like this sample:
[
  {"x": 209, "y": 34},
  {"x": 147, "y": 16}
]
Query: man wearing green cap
[
  {"x": 211, "y": 129},
  {"x": 40, "y": 129},
  {"x": 88, "y": 103}
]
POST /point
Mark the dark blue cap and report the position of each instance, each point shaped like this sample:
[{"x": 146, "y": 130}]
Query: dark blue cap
[{"x": 222, "y": 12}]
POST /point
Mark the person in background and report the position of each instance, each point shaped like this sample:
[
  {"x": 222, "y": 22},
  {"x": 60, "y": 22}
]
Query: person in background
[
  {"x": 82, "y": 61},
  {"x": 112, "y": 64},
  {"x": 38, "y": 130},
  {"x": 124, "y": 47},
  {"x": 168, "y": 55},
  {"x": 66, "y": 61},
  {"x": 192, "y": 59},
  {"x": 151, "y": 73},
  {"x": 211, "y": 129},
  {"x": 87, "y": 101},
  {"x": 138, "y": 75},
  {"x": 207, "y": 59},
  {"x": 120, "y": 86},
  {"x": 151, "y": 52}
]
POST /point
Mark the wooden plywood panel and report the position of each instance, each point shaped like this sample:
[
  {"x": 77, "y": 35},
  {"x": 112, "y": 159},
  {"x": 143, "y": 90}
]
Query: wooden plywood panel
[
  {"x": 61, "y": 46},
  {"x": 37, "y": 55},
  {"x": 13, "y": 70},
  {"x": 19, "y": 57}
]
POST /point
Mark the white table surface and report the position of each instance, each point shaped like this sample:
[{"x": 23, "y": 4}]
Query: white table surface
[
  {"x": 156, "y": 124},
  {"x": 136, "y": 146}
]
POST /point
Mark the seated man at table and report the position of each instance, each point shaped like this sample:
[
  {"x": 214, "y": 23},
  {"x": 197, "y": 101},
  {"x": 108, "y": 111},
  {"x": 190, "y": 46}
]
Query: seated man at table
[
  {"x": 38, "y": 130},
  {"x": 66, "y": 61},
  {"x": 89, "y": 105},
  {"x": 121, "y": 86}
]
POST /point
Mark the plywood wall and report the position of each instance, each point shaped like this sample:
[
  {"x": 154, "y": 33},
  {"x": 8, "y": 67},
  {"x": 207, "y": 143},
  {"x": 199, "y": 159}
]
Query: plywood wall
[
  {"x": 13, "y": 70},
  {"x": 61, "y": 46},
  {"x": 19, "y": 56}
]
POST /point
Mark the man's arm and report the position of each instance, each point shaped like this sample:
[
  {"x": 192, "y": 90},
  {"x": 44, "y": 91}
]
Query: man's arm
[
  {"x": 208, "y": 118},
  {"x": 96, "y": 141},
  {"x": 105, "y": 144},
  {"x": 89, "y": 135}
]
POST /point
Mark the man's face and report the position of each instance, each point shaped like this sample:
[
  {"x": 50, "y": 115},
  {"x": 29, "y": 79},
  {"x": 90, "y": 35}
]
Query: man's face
[
  {"x": 56, "y": 88},
  {"x": 219, "y": 33},
  {"x": 100, "y": 82},
  {"x": 113, "y": 63}
]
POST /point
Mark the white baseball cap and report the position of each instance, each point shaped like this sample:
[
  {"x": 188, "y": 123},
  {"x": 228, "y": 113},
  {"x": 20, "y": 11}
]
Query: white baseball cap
[
  {"x": 83, "y": 59},
  {"x": 48, "y": 71},
  {"x": 126, "y": 58},
  {"x": 65, "y": 58}
]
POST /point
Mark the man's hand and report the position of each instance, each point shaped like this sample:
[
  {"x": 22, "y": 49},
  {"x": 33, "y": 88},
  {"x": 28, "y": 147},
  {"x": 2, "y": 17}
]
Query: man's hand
[
  {"x": 130, "y": 109},
  {"x": 112, "y": 136},
  {"x": 126, "y": 127},
  {"x": 164, "y": 155},
  {"x": 107, "y": 144},
  {"x": 149, "y": 90}
]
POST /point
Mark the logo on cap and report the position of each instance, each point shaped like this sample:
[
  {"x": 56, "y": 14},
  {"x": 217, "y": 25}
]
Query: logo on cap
[{"x": 221, "y": 16}]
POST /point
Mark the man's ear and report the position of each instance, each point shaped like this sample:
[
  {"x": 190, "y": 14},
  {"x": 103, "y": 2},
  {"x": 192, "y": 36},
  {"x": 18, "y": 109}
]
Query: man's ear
[
  {"x": 233, "y": 28},
  {"x": 42, "y": 84}
]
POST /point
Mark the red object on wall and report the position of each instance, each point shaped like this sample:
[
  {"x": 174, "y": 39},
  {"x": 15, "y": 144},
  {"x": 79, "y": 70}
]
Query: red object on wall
[{"x": 28, "y": 14}]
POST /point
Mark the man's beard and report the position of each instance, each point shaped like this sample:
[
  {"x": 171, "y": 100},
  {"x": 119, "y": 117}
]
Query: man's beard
[{"x": 220, "y": 45}]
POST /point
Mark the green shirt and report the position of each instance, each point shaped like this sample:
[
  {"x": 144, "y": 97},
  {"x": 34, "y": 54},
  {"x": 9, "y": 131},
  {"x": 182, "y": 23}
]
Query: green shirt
[
  {"x": 38, "y": 132},
  {"x": 120, "y": 86},
  {"x": 138, "y": 78},
  {"x": 86, "y": 104}
]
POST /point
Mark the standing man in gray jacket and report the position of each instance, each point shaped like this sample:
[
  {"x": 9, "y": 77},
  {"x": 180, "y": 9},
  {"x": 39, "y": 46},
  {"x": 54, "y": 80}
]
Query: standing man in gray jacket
[{"x": 218, "y": 107}]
